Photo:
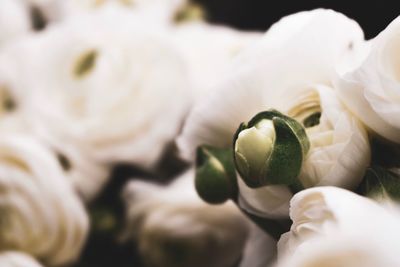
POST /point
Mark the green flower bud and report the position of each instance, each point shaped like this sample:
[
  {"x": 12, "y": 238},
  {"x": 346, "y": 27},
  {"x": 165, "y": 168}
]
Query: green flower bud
[
  {"x": 270, "y": 149},
  {"x": 215, "y": 174}
]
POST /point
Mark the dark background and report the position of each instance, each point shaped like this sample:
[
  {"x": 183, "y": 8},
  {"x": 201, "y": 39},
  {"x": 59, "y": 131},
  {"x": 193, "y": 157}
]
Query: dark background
[{"x": 372, "y": 15}]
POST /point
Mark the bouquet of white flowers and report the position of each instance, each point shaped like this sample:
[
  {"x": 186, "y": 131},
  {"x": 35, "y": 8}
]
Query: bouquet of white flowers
[{"x": 136, "y": 133}]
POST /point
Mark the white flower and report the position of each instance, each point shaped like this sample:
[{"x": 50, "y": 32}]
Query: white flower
[
  {"x": 209, "y": 51},
  {"x": 14, "y": 20},
  {"x": 371, "y": 90},
  {"x": 41, "y": 214},
  {"x": 17, "y": 259},
  {"x": 290, "y": 70},
  {"x": 174, "y": 227},
  {"x": 335, "y": 227},
  {"x": 157, "y": 11},
  {"x": 86, "y": 174},
  {"x": 101, "y": 83}
]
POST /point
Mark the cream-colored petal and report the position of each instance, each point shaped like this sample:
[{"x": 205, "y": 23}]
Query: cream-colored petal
[{"x": 17, "y": 259}]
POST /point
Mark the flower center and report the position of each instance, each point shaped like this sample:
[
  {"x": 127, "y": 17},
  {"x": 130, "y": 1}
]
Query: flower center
[
  {"x": 85, "y": 63},
  {"x": 8, "y": 104},
  {"x": 306, "y": 109}
]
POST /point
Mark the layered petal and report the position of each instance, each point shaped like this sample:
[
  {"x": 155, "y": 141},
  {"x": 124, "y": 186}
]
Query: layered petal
[
  {"x": 103, "y": 84},
  {"x": 299, "y": 50},
  {"x": 41, "y": 214},
  {"x": 332, "y": 227},
  {"x": 371, "y": 90}
]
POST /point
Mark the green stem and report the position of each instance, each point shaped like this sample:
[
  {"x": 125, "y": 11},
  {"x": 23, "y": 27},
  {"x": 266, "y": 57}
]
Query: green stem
[{"x": 275, "y": 228}]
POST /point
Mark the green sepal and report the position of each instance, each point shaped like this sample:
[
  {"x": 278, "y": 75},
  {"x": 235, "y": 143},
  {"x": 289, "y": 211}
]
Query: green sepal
[
  {"x": 380, "y": 183},
  {"x": 215, "y": 180},
  {"x": 289, "y": 150}
]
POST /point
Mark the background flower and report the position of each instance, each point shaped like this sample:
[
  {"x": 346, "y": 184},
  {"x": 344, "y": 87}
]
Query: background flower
[
  {"x": 41, "y": 214},
  {"x": 116, "y": 105},
  {"x": 174, "y": 227},
  {"x": 17, "y": 259}
]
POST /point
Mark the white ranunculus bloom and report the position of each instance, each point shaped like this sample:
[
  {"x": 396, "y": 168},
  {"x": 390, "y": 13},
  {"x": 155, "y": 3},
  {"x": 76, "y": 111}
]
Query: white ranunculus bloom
[
  {"x": 158, "y": 11},
  {"x": 105, "y": 85},
  {"x": 371, "y": 90},
  {"x": 14, "y": 20},
  {"x": 87, "y": 175},
  {"x": 174, "y": 227},
  {"x": 335, "y": 227},
  {"x": 340, "y": 152},
  {"x": 202, "y": 43},
  {"x": 41, "y": 214},
  {"x": 289, "y": 70},
  {"x": 17, "y": 259}
]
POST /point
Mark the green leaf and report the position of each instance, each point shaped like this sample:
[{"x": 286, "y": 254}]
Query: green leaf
[{"x": 380, "y": 183}]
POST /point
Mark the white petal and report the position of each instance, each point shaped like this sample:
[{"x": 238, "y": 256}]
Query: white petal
[
  {"x": 267, "y": 201},
  {"x": 264, "y": 76},
  {"x": 371, "y": 91},
  {"x": 42, "y": 214},
  {"x": 260, "y": 250},
  {"x": 17, "y": 259}
]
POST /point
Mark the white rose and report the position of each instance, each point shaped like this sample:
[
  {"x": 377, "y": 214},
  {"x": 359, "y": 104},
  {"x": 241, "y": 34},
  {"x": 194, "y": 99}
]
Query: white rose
[
  {"x": 370, "y": 90},
  {"x": 99, "y": 82},
  {"x": 202, "y": 43},
  {"x": 291, "y": 73},
  {"x": 17, "y": 259},
  {"x": 174, "y": 227},
  {"x": 335, "y": 227},
  {"x": 41, "y": 214}
]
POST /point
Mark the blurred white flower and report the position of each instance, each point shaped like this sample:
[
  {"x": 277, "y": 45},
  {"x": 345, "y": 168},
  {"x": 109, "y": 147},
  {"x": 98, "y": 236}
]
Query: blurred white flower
[
  {"x": 290, "y": 70},
  {"x": 100, "y": 82},
  {"x": 87, "y": 175},
  {"x": 209, "y": 50},
  {"x": 17, "y": 259},
  {"x": 335, "y": 227},
  {"x": 157, "y": 11},
  {"x": 14, "y": 20},
  {"x": 174, "y": 227},
  {"x": 371, "y": 90},
  {"x": 41, "y": 214}
]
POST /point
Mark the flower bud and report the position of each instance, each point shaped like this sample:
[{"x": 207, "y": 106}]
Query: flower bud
[
  {"x": 270, "y": 149},
  {"x": 215, "y": 174}
]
